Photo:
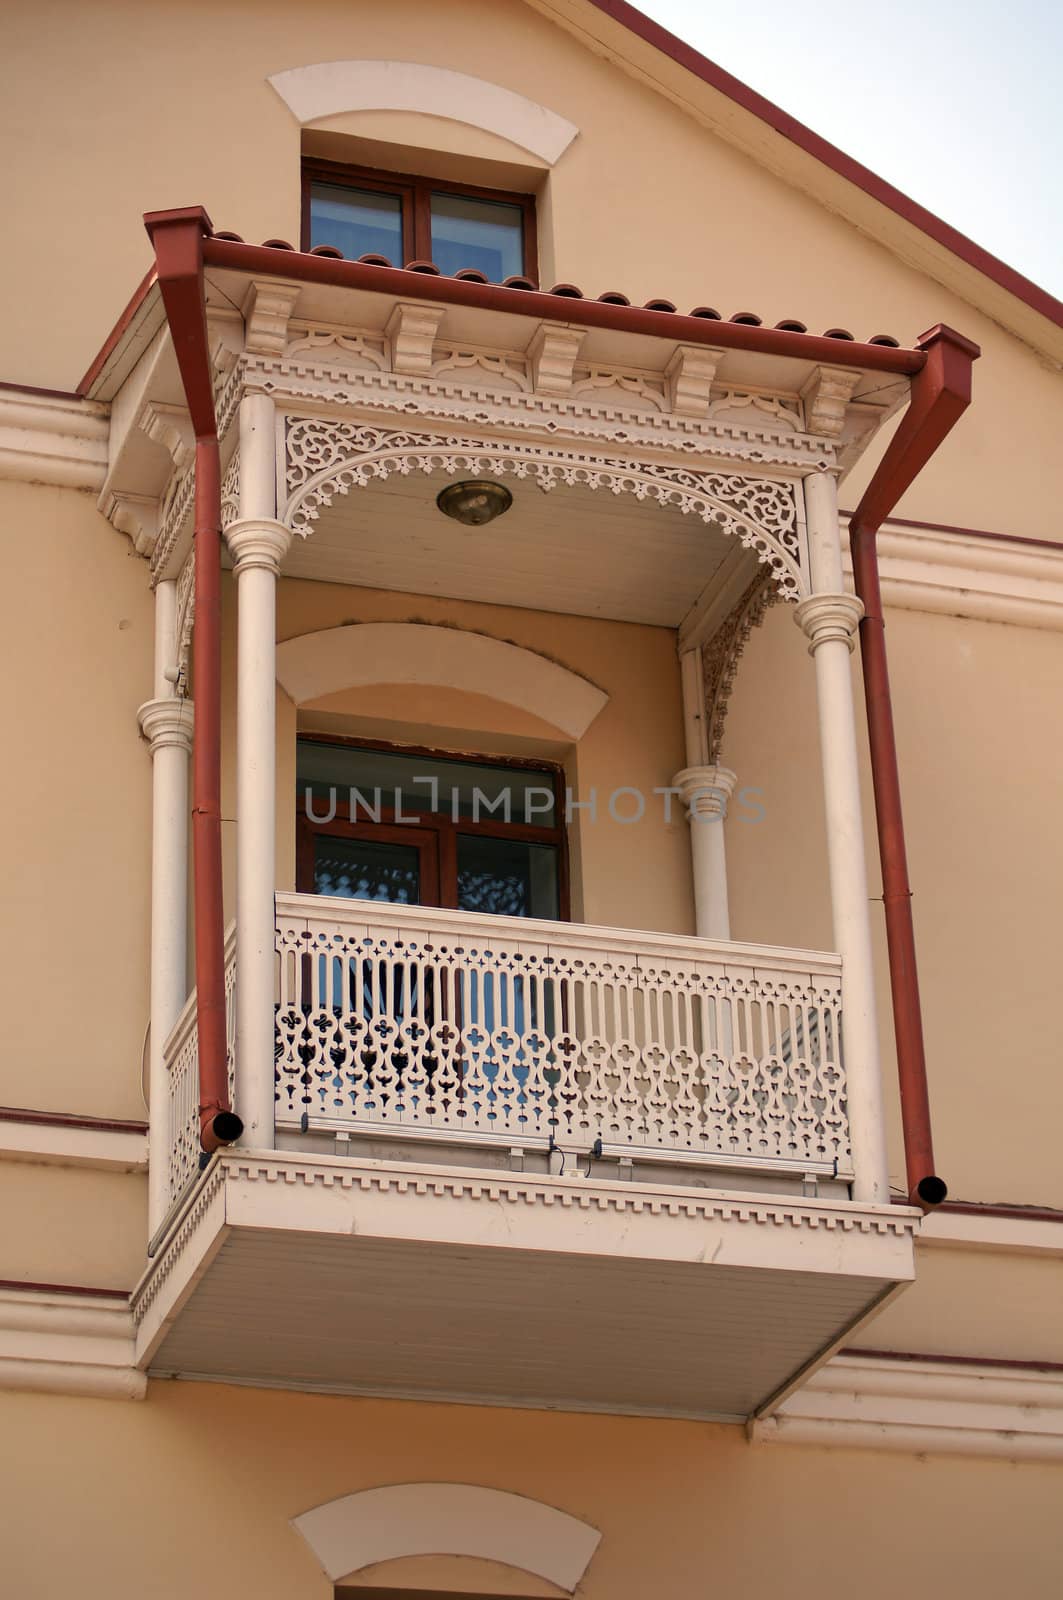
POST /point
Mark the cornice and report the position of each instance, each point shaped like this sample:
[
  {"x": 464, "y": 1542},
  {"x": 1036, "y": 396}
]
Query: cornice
[
  {"x": 68, "y": 1345},
  {"x": 923, "y": 1407},
  {"x": 72, "y": 1142},
  {"x": 969, "y": 575},
  {"x": 53, "y": 440}
]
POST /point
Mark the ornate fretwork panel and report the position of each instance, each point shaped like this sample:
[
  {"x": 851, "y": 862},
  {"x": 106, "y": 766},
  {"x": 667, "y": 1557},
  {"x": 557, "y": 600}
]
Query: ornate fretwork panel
[
  {"x": 479, "y": 1030},
  {"x": 230, "y": 492},
  {"x": 186, "y": 615},
  {"x": 719, "y": 656},
  {"x": 325, "y": 458}
]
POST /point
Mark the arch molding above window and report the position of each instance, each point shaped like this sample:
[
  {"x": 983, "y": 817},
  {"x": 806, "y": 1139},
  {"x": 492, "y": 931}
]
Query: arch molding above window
[{"x": 331, "y": 88}]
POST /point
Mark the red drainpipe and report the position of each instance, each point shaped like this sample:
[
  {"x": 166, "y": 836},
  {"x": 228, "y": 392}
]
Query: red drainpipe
[
  {"x": 941, "y": 392},
  {"x": 177, "y": 237}
]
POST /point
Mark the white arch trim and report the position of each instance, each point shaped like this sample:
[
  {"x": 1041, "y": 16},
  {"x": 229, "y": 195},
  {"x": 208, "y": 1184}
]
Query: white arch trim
[
  {"x": 364, "y": 653},
  {"x": 329, "y": 88},
  {"x": 448, "y": 1519}
]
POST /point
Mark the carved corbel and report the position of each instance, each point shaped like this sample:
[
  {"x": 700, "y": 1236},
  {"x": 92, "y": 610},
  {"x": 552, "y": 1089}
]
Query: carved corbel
[
  {"x": 267, "y": 308},
  {"x": 411, "y": 334},
  {"x": 689, "y": 376},
  {"x": 171, "y": 427},
  {"x": 135, "y": 515},
  {"x": 552, "y": 356},
  {"x": 826, "y": 396}
]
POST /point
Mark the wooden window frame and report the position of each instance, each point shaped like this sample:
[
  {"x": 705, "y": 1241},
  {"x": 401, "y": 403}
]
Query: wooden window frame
[
  {"x": 415, "y": 194},
  {"x": 441, "y": 824}
]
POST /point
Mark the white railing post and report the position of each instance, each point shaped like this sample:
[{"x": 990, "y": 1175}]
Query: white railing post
[
  {"x": 705, "y": 790},
  {"x": 830, "y": 618},
  {"x": 166, "y": 722},
  {"x": 258, "y": 543}
]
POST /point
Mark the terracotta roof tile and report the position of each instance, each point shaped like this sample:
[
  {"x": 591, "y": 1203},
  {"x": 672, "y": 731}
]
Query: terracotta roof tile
[{"x": 570, "y": 291}]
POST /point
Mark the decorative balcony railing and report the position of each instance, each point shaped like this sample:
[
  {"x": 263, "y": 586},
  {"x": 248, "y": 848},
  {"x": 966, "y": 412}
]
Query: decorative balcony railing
[
  {"x": 182, "y": 1062},
  {"x": 444, "y": 1025}
]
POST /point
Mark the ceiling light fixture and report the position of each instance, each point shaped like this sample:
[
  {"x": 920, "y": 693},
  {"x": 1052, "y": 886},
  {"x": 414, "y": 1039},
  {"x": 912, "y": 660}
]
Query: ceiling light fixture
[{"x": 474, "y": 502}]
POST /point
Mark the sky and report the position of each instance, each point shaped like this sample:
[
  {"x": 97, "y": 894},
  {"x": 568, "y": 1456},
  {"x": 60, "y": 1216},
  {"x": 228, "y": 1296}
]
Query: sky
[{"x": 958, "y": 103}]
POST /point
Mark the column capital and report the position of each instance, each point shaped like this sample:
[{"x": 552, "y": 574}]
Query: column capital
[
  {"x": 824, "y": 618},
  {"x": 258, "y": 542},
  {"x": 167, "y": 724},
  {"x": 705, "y": 791}
]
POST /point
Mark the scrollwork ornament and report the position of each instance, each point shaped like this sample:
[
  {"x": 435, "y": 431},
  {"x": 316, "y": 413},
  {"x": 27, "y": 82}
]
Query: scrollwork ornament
[{"x": 325, "y": 458}]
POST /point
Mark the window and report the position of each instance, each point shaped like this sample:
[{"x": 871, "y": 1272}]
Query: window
[
  {"x": 422, "y": 828},
  {"x": 362, "y": 212}
]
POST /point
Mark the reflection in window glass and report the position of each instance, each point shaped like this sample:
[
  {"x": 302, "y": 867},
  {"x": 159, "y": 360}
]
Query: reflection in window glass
[
  {"x": 485, "y": 234},
  {"x": 361, "y": 869},
  {"x": 357, "y": 222},
  {"x": 507, "y": 877}
]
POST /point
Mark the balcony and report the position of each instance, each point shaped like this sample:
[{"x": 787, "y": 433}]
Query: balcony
[{"x": 581, "y": 1167}]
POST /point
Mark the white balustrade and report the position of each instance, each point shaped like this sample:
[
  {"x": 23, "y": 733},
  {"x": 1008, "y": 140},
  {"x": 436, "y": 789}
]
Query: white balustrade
[
  {"x": 181, "y": 1057},
  {"x": 441, "y": 1024}
]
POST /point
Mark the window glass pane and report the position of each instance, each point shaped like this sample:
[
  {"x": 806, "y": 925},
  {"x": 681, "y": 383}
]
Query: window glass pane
[
  {"x": 506, "y": 877},
  {"x": 387, "y": 779},
  {"x": 358, "y": 222},
  {"x": 363, "y": 869},
  {"x": 485, "y": 234}
]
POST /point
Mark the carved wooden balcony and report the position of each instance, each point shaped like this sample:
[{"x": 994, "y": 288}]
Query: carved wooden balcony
[{"x": 527, "y": 1162}]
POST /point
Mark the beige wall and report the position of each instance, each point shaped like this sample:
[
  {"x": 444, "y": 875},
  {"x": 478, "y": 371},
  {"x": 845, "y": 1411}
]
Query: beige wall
[
  {"x": 76, "y": 620},
  {"x": 981, "y": 777},
  {"x": 630, "y": 875},
  {"x": 210, "y": 129},
  {"x": 207, "y": 1479}
]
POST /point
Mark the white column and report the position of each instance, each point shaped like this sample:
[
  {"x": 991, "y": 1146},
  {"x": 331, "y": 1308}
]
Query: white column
[
  {"x": 258, "y": 544},
  {"x": 705, "y": 790},
  {"x": 830, "y": 619},
  {"x": 166, "y": 722}
]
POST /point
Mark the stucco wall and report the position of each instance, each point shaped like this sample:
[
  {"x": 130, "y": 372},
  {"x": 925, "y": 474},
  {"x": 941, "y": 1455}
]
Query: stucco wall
[
  {"x": 634, "y": 874},
  {"x": 76, "y": 620},
  {"x": 980, "y": 775},
  {"x": 207, "y": 1479},
  {"x": 709, "y": 219}
]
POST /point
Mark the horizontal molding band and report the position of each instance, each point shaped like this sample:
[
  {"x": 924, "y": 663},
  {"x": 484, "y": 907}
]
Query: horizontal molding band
[
  {"x": 921, "y": 1406},
  {"x": 56, "y": 1139},
  {"x": 969, "y": 574},
  {"x": 68, "y": 1343},
  {"x": 49, "y": 438}
]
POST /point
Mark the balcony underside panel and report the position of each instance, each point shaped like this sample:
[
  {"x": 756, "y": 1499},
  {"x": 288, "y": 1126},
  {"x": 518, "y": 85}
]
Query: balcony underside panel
[{"x": 360, "y": 1278}]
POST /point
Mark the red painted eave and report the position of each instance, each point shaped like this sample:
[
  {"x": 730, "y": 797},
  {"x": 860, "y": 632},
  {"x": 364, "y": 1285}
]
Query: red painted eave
[
  {"x": 118, "y": 332},
  {"x": 684, "y": 55}
]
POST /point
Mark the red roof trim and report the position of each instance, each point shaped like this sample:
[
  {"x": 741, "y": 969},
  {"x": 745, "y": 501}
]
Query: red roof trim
[
  {"x": 115, "y": 336},
  {"x": 684, "y": 55},
  {"x": 219, "y": 251}
]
